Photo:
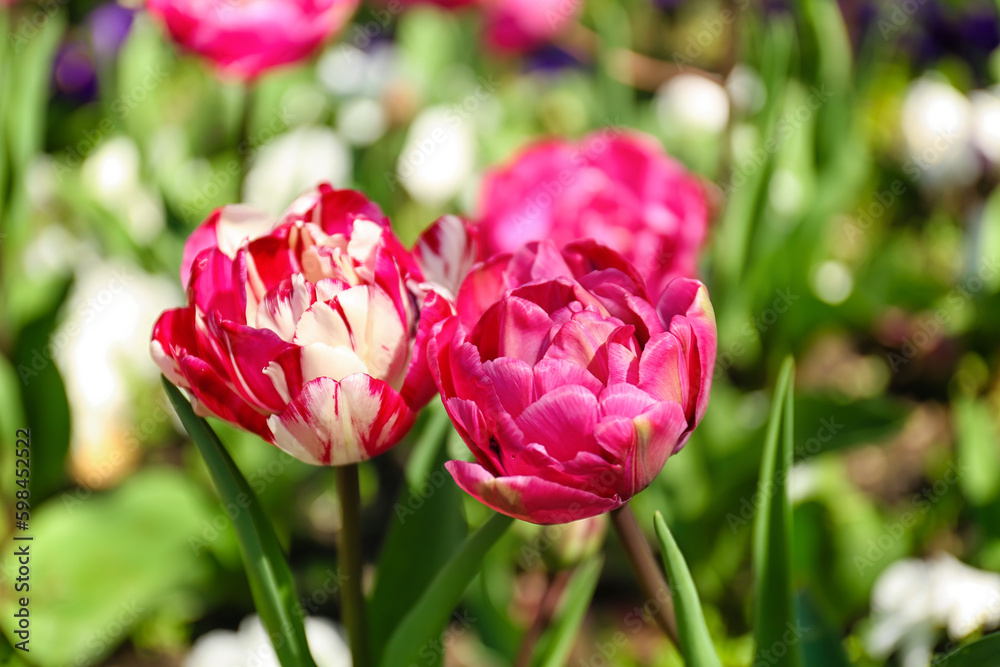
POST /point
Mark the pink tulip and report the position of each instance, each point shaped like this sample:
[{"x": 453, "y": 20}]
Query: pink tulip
[
  {"x": 621, "y": 190},
  {"x": 569, "y": 387},
  {"x": 245, "y": 38},
  {"x": 309, "y": 332},
  {"x": 517, "y": 26}
]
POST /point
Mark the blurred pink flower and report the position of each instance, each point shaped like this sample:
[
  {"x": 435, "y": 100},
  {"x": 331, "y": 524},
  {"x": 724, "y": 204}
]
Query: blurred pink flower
[
  {"x": 569, "y": 387},
  {"x": 516, "y": 26},
  {"x": 246, "y": 38},
  {"x": 310, "y": 333},
  {"x": 620, "y": 189}
]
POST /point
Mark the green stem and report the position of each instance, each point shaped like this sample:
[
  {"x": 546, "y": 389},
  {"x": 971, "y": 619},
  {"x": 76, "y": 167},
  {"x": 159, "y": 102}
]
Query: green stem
[
  {"x": 351, "y": 597},
  {"x": 647, "y": 571}
]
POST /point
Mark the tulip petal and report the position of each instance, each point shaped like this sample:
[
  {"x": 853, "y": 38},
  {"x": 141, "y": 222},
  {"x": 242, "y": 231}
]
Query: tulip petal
[
  {"x": 249, "y": 352},
  {"x": 173, "y": 337},
  {"x": 446, "y": 252},
  {"x": 529, "y": 498},
  {"x": 337, "y": 423},
  {"x": 663, "y": 369},
  {"x": 658, "y": 432},
  {"x": 214, "y": 397},
  {"x": 550, "y": 374},
  {"x": 561, "y": 421},
  {"x": 418, "y": 386},
  {"x": 513, "y": 383},
  {"x": 225, "y": 229}
]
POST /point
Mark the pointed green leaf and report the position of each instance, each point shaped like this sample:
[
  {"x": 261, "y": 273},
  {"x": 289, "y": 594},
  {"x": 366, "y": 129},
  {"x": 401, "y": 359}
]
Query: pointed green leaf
[
  {"x": 271, "y": 581},
  {"x": 772, "y": 562},
  {"x": 553, "y": 648},
  {"x": 981, "y": 653},
  {"x": 427, "y": 618},
  {"x": 427, "y": 519},
  {"x": 696, "y": 644}
]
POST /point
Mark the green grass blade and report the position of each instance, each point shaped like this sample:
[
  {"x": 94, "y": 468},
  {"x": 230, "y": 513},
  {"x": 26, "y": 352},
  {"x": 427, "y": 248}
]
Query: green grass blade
[
  {"x": 772, "y": 562},
  {"x": 271, "y": 581},
  {"x": 696, "y": 644},
  {"x": 554, "y": 647},
  {"x": 982, "y": 653},
  {"x": 429, "y": 616}
]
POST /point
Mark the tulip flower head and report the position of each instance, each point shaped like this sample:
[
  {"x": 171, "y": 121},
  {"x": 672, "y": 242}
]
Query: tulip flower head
[
  {"x": 620, "y": 189},
  {"x": 246, "y": 38},
  {"x": 309, "y": 332},
  {"x": 568, "y": 385}
]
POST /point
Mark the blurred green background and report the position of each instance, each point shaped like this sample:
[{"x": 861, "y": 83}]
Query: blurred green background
[{"x": 851, "y": 150}]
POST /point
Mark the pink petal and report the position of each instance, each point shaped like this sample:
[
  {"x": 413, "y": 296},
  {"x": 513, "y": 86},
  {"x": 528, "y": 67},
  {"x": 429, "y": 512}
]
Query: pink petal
[
  {"x": 215, "y": 397},
  {"x": 482, "y": 288},
  {"x": 561, "y": 421},
  {"x": 658, "y": 433},
  {"x": 529, "y": 498},
  {"x": 550, "y": 374},
  {"x": 173, "y": 338},
  {"x": 663, "y": 369},
  {"x": 513, "y": 382},
  {"x": 250, "y": 351},
  {"x": 418, "y": 387},
  {"x": 624, "y": 400},
  {"x": 226, "y": 228}
]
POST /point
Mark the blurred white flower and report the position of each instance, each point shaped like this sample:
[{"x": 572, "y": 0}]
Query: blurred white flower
[
  {"x": 362, "y": 121},
  {"x": 111, "y": 175},
  {"x": 832, "y": 282},
  {"x": 746, "y": 89},
  {"x": 439, "y": 155},
  {"x": 112, "y": 170},
  {"x": 347, "y": 70},
  {"x": 937, "y": 126},
  {"x": 986, "y": 110},
  {"x": 913, "y": 599},
  {"x": 100, "y": 348},
  {"x": 250, "y": 647},
  {"x": 294, "y": 162},
  {"x": 692, "y": 102}
]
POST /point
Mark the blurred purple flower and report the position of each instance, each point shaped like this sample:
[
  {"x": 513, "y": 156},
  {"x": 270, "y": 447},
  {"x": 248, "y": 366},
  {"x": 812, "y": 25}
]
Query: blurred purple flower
[
  {"x": 109, "y": 27},
  {"x": 73, "y": 72}
]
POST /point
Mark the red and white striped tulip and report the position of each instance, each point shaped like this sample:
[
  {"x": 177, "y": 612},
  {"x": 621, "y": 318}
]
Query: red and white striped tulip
[{"x": 309, "y": 331}]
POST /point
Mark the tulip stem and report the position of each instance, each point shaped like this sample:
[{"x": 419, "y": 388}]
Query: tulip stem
[
  {"x": 352, "y": 600},
  {"x": 651, "y": 580},
  {"x": 546, "y": 612}
]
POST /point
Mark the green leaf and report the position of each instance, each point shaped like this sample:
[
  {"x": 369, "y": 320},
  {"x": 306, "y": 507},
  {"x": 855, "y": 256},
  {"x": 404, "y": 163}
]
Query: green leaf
[
  {"x": 696, "y": 644},
  {"x": 43, "y": 395},
  {"x": 148, "y": 532},
  {"x": 556, "y": 643},
  {"x": 977, "y": 451},
  {"x": 821, "y": 646},
  {"x": 427, "y": 521},
  {"x": 429, "y": 616},
  {"x": 982, "y": 653},
  {"x": 270, "y": 578},
  {"x": 772, "y": 562}
]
